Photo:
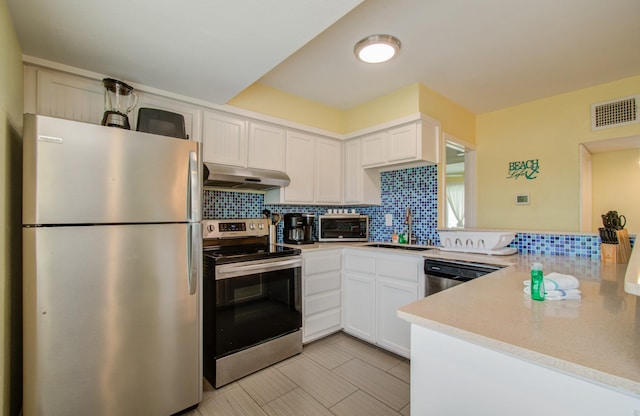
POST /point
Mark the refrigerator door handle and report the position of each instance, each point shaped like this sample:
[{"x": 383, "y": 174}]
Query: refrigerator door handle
[
  {"x": 194, "y": 238},
  {"x": 193, "y": 197}
]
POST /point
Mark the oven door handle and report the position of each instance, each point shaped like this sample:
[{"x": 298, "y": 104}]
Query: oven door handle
[{"x": 226, "y": 271}]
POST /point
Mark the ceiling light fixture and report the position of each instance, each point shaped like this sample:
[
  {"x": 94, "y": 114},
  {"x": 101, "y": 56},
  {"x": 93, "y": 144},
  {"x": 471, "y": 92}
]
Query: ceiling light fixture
[{"x": 376, "y": 49}]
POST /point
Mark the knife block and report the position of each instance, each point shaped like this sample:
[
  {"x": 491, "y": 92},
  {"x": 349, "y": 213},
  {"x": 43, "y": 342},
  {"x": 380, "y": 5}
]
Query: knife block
[{"x": 617, "y": 253}]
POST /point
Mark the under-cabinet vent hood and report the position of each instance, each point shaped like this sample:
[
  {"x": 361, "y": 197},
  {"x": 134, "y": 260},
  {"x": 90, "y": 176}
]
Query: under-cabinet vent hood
[{"x": 232, "y": 177}]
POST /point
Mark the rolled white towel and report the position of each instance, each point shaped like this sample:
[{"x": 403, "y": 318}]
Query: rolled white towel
[
  {"x": 566, "y": 297},
  {"x": 569, "y": 294},
  {"x": 558, "y": 281}
]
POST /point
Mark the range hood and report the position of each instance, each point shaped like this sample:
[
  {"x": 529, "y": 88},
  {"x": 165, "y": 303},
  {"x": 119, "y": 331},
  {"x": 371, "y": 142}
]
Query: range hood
[{"x": 232, "y": 177}]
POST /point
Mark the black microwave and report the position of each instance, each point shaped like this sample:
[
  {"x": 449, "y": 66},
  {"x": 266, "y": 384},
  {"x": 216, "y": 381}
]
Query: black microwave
[{"x": 343, "y": 227}]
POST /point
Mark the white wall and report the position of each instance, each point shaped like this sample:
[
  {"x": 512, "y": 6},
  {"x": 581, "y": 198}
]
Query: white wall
[{"x": 450, "y": 376}]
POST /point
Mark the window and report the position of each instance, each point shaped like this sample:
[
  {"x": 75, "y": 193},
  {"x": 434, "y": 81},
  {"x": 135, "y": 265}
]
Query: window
[{"x": 455, "y": 186}]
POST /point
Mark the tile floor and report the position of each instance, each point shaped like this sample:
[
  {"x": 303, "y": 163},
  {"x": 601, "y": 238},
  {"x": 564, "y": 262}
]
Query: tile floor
[{"x": 335, "y": 376}]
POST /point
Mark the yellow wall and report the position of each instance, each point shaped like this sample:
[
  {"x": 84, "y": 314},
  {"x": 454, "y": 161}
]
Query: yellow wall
[
  {"x": 456, "y": 120},
  {"x": 549, "y": 130},
  {"x": 616, "y": 176},
  {"x": 397, "y": 104},
  {"x": 276, "y": 103},
  {"x": 409, "y": 100},
  {"x": 11, "y": 105}
]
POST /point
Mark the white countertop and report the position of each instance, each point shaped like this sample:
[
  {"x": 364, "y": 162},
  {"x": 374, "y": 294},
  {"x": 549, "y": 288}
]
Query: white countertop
[{"x": 596, "y": 338}]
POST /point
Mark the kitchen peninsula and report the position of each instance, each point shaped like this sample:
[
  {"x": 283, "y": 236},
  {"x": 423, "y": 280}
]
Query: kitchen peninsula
[{"x": 486, "y": 348}]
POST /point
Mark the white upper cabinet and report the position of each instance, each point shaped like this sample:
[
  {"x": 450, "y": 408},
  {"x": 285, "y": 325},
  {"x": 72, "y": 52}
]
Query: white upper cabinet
[
  {"x": 361, "y": 186},
  {"x": 236, "y": 141},
  {"x": 192, "y": 114},
  {"x": 68, "y": 96},
  {"x": 300, "y": 165},
  {"x": 266, "y": 146},
  {"x": 328, "y": 171},
  {"x": 402, "y": 143},
  {"x": 374, "y": 149},
  {"x": 314, "y": 165},
  {"x": 322, "y": 169},
  {"x": 224, "y": 139},
  {"x": 58, "y": 94},
  {"x": 413, "y": 142}
]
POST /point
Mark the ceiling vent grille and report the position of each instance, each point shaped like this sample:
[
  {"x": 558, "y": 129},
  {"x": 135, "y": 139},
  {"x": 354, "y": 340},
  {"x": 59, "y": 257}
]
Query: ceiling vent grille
[{"x": 615, "y": 113}]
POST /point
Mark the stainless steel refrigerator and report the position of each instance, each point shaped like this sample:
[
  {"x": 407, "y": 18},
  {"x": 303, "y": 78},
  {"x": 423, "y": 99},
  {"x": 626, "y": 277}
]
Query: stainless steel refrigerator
[{"x": 112, "y": 270}]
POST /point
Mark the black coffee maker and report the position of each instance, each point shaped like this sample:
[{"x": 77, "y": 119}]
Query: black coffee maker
[{"x": 298, "y": 228}]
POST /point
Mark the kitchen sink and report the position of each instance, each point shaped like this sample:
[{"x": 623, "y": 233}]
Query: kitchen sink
[{"x": 398, "y": 247}]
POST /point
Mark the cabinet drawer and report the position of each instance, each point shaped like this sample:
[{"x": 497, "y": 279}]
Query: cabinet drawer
[
  {"x": 322, "y": 283},
  {"x": 325, "y": 323},
  {"x": 319, "y": 263},
  {"x": 360, "y": 263},
  {"x": 405, "y": 269},
  {"x": 321, "y": 303}
]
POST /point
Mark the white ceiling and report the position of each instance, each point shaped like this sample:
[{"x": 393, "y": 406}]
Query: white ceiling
[
  {"x": 205, "y": 49},
  {"x": 484, "y": 55}
]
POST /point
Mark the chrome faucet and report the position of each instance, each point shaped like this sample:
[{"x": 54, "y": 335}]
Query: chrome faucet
[{"x": 408, "y": 221}]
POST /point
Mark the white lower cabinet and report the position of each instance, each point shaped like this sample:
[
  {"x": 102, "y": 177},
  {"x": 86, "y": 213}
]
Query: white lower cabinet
[
  {"x": 375, "y": 286},
  {"x": 322, "y": 293},
  {"x": 359, "y": 306},
  {"x": 394, "y": 334}
]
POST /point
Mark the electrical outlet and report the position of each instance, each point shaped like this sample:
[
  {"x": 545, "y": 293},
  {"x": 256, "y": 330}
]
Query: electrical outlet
[{"x": 388, "y": 220}]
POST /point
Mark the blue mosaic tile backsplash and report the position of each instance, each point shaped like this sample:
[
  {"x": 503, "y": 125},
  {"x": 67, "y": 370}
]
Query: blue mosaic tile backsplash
[
  {"x": 223, "y": 205},
  {"x": 416, "y": 188},
  {"x": 557, "y": 244}
]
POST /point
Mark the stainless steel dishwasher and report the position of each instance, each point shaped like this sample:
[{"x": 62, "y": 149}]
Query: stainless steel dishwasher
[{"x": 444, "y": 274}]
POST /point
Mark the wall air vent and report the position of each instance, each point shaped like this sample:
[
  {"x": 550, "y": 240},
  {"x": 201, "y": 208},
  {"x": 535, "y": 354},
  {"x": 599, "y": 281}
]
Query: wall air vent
[{"x": 615, "y": 113}]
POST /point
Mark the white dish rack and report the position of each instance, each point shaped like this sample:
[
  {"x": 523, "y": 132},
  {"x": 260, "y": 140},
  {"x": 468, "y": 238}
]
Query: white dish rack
[{"x": 477, "y": 241}]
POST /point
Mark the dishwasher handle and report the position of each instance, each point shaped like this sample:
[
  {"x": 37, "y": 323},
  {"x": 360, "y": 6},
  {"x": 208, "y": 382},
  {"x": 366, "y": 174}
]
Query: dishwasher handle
[{"x": 446, "y": 276}]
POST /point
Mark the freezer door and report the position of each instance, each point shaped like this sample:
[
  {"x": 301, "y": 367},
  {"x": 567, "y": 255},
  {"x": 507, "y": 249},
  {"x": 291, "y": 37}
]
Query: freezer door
[
  {"x": 80, "y": 173},
  {"x": 112, "y": 320}
]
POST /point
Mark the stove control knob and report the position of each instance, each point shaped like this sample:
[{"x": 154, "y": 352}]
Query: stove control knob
[
  {"x": 211, "y": 228},
  {"x": 261, "y": 226},
  {"x": 252, "y": 226}
]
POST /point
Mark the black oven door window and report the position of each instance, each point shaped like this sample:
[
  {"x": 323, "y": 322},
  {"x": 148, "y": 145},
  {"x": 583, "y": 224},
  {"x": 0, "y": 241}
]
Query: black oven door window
[{"x": 255, "y": 308}]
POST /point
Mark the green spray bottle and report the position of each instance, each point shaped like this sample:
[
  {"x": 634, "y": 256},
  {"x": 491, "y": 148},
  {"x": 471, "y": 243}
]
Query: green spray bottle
[{"x": 537, "y": 282}]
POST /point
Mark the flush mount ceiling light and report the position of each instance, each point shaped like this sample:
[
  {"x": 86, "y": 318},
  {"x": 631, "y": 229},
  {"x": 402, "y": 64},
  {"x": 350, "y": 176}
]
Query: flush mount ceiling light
[{"x": 375, "y": 49}]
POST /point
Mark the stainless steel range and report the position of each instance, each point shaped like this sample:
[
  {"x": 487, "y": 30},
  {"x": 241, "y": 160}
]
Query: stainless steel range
[{"x": 252, "y": 313}]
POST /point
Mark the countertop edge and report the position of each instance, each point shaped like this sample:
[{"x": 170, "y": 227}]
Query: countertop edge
[
  {"x": 632, "y": 275},
  {"x": 595, "y": 376}
]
